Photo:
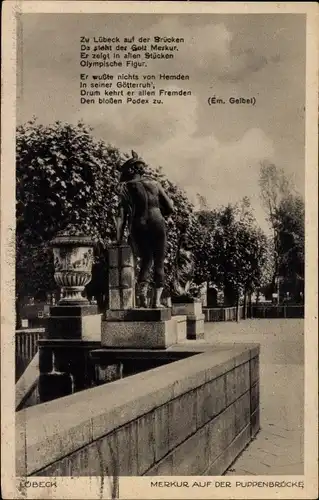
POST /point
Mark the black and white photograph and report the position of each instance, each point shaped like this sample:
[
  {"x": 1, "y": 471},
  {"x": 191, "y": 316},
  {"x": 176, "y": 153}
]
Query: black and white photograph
[{"x": 156, "y": 251}]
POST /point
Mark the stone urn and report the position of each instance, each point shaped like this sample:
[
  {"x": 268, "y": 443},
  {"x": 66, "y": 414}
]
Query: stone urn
[{"x": 73, "y": 260}]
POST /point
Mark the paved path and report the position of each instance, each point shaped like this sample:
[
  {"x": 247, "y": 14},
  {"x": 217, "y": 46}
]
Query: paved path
[{"x": 278, "y": 447}]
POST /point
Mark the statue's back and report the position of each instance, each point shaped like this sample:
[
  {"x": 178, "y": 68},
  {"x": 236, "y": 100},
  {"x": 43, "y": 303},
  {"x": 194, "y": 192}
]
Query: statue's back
[{"x": 144, "y": 197}]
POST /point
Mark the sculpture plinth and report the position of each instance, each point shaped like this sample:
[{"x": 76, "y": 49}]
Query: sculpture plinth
[
  {"x": 125, "y": 326},
  {"x": 121, "y": 277},
  {"x": 195, "y": 317}
]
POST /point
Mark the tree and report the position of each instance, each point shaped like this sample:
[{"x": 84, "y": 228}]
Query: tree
[
  {"x": 231, "y": 252},
  {"x": 274, "y": 187},
  {"x": 285, "y": 213},
  {"x": 290, "y": 227}
]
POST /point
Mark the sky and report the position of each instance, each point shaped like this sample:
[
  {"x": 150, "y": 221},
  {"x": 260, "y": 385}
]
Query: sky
[{"x": 215, "y": 151}]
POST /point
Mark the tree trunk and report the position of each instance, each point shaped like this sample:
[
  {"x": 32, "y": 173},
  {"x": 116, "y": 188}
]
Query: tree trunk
[
  {"x": 230, "y": 295},
  {"x": 250, "y": 305},
  {"x": 245, "y": 306},
  {"x": 237, "y": 308},
  {"x": 257, "y": 297}
]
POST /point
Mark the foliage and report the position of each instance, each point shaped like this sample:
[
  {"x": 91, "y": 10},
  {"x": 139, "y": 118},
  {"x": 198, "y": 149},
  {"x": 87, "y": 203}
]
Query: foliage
[
  {"x": 285, "y": 213},
  {"x": 232, "y": 250},
  {"x": 274, "y": 187},
  {"x": 290, "y": 227}
]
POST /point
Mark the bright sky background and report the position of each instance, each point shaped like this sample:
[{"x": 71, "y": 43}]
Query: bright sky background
[{"x": 214, "y": 151}]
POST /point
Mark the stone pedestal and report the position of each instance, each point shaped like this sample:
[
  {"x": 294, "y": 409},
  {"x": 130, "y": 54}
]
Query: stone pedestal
[
  {"x": 64, "y": 363},
  {"x": 121, "y": 277},
  {"x": 77, "y": 322},
  {"x": 181, "y": 326},
  {"x": 141, "y": 329},
  {"x": 195, "y": 318}
]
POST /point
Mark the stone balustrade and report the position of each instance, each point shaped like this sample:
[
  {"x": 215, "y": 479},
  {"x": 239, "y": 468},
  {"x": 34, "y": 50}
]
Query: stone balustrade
[{"x": 192, "y": 416}]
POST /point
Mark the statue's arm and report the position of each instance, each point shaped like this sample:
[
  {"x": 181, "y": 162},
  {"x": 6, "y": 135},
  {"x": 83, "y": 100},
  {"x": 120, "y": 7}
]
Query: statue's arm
[
  {"x": 120, "y": 222},
  {"x": 165, "y": 202},
  {"x": 122, "y": 214}
]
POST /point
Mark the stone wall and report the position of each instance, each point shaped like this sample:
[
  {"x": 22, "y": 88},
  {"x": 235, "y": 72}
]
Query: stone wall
[{"x": 192, "y": 416}]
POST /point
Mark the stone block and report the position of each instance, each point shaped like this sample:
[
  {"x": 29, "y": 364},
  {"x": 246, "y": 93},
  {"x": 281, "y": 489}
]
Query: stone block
[
  {"x": 139, "y": 334},
  {"x": 211, "y": 400},
  {"x": 106, "y": 456},
  {"x": 254, "y": 397},
  {"x": 127, "y": 277},
  {"x": 255, "y": 423},
  {"x": 77, "y": 328},
  {"x": 161, "y": 428},
  {"x": 113, "y": 255},
  {"x": 139, "y": 314},
  {"x": 182, "y": 418},
  {"x": 127, "y": 298},
  {"x": 237, "y": 382},
  {"x": 219, "y": 466},
  {"x": 73, "y": 311},
  {"x": 190, "y": 309},
  {"x": 195, "y": 327},
  {"x": 242, "y": 412},
  {"x": 146, "y": 443},
  {"x": 242, "y": 358},
  {"x": 91, "y": 327},
  {"x": 114, "y": 278},
  {"x": 181, "y": 326},
  {"x": 191, "y": 457},
  {"x": 127, "y": 450},
  {"x": 215, "y": 433},
  {"x": 115, "y": 298},
  {"x": 108, "y": 373},
  {"x": 229, "y": 432},
  {"x": 189, "y": 380},
  {"x": 163, "y": 468},
  {"x": 126, "y": 256},
  {"x": 254, "y": 370},
  {"x": 223, "y": 364}
]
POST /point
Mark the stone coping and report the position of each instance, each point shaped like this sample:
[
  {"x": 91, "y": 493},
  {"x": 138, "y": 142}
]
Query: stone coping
[
  {"x": 27, "y": 382},
  {"x": 138, "y": 314},
  {"x": 30, "y": 330},
  {"x": 69, "y": 423}
]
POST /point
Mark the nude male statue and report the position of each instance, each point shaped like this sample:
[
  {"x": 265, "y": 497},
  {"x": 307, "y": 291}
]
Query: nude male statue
[{"x": 143, "y": 206}]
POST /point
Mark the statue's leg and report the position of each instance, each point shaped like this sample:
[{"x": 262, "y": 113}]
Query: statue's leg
[
  {"x": 159, "y": 249},
  {"x": 144, "y": 251}
]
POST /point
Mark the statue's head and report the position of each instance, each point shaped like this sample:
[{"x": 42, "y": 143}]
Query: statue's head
[{"x": 132, "y": 168}]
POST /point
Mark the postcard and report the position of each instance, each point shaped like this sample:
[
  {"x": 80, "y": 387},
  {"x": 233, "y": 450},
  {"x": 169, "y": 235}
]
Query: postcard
[{"x": 159, "y": 201}]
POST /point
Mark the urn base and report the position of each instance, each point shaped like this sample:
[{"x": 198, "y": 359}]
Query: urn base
[{"x": 76, "y": 321}]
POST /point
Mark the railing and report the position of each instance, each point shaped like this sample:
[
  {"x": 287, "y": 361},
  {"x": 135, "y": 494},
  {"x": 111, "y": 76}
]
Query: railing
[
  {"x": 213, "y": 314},
  {"x": 223, "y": 313},
  {"x": 281, "y": 311},
  {"x": 26, "y": 345}
]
